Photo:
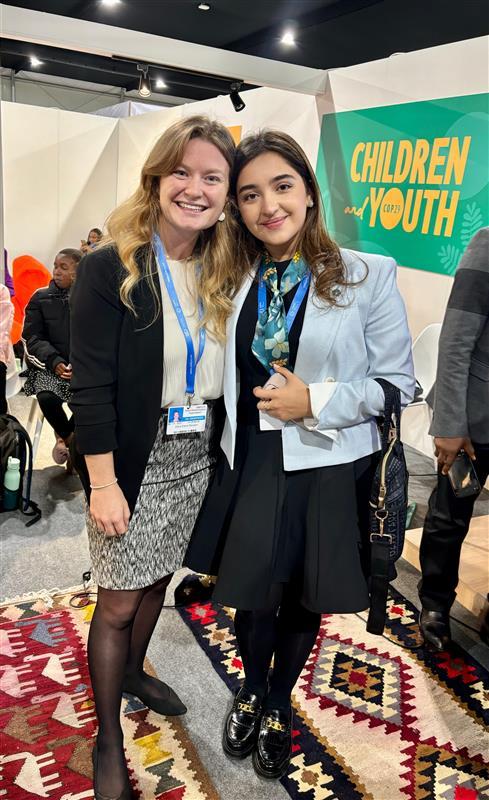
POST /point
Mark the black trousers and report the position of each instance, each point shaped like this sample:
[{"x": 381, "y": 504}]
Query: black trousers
[
  {"x": 3, "y": 388},
  {"x": 445, "y": 528},
  {"x": 52, "y": 407}
]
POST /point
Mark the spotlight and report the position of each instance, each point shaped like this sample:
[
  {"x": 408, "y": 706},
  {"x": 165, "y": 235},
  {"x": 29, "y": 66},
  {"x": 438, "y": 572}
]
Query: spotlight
[
  {"x": 288, "y": 38},
  {"x": 160, "y": 84},
  {"x": 204, "y": 7},
  {"x": 236, "y": 100},
  {"x": 35, "y": 62},
  {"x": 144, "y": 82},
  {"x": 110, "y": 3}
]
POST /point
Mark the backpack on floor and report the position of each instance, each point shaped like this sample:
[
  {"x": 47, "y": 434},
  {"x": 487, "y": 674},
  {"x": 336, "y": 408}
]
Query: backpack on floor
[{"x": 16, "y": 442}]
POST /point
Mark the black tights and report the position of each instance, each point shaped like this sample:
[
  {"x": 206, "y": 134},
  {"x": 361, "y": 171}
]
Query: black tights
[
  {"x": 121, "y": 628},
  {"x": 52, "y": 407},
  {"x": 286, "y": 631}
]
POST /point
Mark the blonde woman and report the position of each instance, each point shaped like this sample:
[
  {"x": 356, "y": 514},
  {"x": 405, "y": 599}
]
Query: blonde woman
[{"x": 148, "y": 320}]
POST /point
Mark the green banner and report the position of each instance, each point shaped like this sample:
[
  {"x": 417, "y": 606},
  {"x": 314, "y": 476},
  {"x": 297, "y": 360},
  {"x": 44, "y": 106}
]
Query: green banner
[{"x": 409, "y": 181}]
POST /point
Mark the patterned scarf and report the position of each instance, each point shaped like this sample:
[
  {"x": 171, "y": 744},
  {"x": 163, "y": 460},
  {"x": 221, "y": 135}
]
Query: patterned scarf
[{"x": 271, "y": 341}]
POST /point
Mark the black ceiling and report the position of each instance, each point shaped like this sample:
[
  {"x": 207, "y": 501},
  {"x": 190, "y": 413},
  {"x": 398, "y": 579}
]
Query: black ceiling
[{"x": 329, "y": 33}]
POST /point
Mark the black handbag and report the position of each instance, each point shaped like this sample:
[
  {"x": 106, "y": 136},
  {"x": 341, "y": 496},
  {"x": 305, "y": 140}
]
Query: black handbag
[{"x": 388, "y": 508}]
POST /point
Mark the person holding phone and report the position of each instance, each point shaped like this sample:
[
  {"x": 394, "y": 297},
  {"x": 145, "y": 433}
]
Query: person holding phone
[
  {"x": 46, "y": 339},
  {"x": 93, "y": 239},
  {"x": 282, "y": 524},
  {"x": 460, "y": 425},
  {"x": 149, "y": 312}
]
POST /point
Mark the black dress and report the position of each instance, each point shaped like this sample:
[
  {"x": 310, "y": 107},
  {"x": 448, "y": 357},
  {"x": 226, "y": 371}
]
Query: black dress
[{"x": 260, "y": 525}]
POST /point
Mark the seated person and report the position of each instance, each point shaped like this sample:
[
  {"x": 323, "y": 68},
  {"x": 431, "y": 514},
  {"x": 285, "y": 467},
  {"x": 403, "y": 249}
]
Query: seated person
[
  {"x": 46, "y": 338},
  {"x": 92, "y": 240}
]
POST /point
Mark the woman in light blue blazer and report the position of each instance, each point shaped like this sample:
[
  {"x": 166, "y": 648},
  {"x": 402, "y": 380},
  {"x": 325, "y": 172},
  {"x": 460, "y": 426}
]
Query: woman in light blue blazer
[{"x": 284, "y": 525}]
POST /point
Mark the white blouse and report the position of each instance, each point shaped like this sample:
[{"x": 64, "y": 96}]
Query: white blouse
[{"x": 210, "y": 369}]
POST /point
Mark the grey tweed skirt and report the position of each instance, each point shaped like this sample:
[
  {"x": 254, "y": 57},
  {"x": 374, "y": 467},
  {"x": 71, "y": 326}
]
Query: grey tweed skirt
[{"x": 174, "y": 485}]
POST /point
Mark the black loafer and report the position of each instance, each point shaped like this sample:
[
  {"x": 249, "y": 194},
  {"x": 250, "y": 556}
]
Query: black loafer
[
  {"x": 241, "y": 725},
  {"x": 169, "y": 704},
  {"x": 271, "y": 757},
  {"x": 435, "y": 629}
]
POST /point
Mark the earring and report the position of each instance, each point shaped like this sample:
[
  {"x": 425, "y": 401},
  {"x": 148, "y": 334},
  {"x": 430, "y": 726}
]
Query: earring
[
  {"x": 221, "y": 216},
  {"x": 310, "y": 202}
]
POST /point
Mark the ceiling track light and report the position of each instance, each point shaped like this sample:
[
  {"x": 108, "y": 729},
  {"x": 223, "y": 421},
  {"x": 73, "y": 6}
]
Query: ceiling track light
[
  {"x": 144, "y": 81},
  {"x": 288, "y": 38},
  {"x": 110, "y": 3},
  {"x": 236, "y": 99},
  {"x": 204, "y": 7}
]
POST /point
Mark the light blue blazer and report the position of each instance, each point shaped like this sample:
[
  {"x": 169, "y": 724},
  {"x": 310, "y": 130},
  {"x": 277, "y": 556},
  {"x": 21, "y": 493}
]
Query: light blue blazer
[{"x": 368, "y": 338}]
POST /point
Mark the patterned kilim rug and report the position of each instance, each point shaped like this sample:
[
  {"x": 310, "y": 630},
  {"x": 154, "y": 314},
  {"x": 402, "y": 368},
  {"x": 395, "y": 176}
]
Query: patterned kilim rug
[
  {"x": 374, "y": 721},
  {"x": 47, "y": 715}
]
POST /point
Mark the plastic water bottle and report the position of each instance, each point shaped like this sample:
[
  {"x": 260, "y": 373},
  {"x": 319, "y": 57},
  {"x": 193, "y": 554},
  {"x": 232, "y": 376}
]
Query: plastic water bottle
[{"x": 11, "y": 483}]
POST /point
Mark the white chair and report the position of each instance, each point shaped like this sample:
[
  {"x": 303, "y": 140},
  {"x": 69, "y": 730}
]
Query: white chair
[
  {"x": 34, "y": 426},
  {"x": 13, "y": 385},
  {"x": 416, "y": 418},
  {"x": 425, "y": 357}
]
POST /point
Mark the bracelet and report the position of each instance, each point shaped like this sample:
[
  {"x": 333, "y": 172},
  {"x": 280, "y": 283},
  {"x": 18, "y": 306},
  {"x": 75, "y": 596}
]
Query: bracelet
[{"x": 104, "y": 485}]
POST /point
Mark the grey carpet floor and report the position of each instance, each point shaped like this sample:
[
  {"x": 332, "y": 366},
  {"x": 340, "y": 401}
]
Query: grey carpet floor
[{"x": 54, "y": 553}]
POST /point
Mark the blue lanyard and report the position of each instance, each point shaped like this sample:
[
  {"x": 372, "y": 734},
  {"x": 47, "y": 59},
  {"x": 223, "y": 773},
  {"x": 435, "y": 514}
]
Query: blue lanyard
[
  {"x": 192, "y": 362},
  {"x": 294, "y": 306}
]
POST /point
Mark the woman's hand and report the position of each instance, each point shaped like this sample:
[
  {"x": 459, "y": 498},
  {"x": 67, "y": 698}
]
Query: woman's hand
[
  {"x": 292, "y": 401},
  {"x": 109, "y": 510},
  {"x": 64, "y": 371}
]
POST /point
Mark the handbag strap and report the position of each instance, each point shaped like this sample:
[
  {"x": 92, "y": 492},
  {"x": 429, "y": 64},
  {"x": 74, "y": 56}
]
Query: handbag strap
[{"x": 391, "y": 420}]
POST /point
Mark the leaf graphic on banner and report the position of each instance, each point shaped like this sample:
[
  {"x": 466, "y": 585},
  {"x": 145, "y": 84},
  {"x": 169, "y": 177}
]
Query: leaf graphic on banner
[
  {"x": 449, "y": 257},
  {"x": 472, "y": 221}
]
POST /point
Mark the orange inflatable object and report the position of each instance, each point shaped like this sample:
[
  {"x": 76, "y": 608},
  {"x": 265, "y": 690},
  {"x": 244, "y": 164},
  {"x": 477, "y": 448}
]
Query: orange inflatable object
[{"x": 28, "y": 275}]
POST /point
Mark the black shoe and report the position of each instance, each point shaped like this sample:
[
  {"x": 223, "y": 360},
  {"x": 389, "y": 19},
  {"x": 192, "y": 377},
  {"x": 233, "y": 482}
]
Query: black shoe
[
  {"x": 168, "y": 704},
  {"x": 127, "y": 792},
  {"x": 271, "y": 757},
  {"x": 435, "y": 629},
  {"x": 194, "y": 589},
  {"x": 241, "y": 726}
]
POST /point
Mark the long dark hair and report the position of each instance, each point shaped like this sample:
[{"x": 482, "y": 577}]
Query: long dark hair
[{"x": 321, "y": 253}]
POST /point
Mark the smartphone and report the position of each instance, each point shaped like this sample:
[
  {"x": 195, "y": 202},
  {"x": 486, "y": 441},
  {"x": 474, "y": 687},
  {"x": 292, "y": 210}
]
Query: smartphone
[
  {"x": 275, "y": 381},
  {"x": 463, "y": 477}
]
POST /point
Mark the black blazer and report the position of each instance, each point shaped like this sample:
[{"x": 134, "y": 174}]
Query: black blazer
[{"x": 117, "y": 361}]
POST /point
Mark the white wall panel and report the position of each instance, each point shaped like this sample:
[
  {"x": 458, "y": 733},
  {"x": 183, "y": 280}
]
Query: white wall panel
[
  {"x": 449, "y": 70},
  {"x": 88, "y": 153},
  {"x": 137, "y": 136},
  {"x": 425, "y": 295},
  {"x": 30, "y": 180},
  {"x": 60, "y": 177}
]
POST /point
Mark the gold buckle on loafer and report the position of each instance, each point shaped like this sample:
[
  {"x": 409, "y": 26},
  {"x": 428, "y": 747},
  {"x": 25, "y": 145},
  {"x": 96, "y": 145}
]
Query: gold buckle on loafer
[
  {"x": 246, "y": 707},
  {"x": 274, "y": 725}
]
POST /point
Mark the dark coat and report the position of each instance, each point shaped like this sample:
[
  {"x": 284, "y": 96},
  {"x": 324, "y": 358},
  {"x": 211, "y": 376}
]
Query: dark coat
[
  {"x": 117, "y": 361},
  {"x": 46, "y": 332},
  {"x": 461, "y": 393}
]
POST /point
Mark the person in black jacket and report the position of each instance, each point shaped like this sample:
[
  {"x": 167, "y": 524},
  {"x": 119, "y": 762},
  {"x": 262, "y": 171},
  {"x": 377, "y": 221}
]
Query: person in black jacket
[
  {"x": 460, "y": 423},
  {"x": 148, "y": 319},
  {"x": 46, "y": 338}
]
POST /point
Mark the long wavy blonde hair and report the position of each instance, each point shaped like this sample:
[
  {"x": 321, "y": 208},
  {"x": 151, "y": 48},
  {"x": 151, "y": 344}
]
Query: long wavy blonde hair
[{"x": 131, "y": 226}]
